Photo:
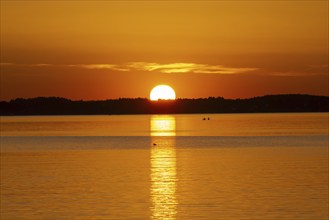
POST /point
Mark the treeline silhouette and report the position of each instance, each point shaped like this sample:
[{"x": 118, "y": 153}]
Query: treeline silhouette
[{"x": 264, "y": 104}]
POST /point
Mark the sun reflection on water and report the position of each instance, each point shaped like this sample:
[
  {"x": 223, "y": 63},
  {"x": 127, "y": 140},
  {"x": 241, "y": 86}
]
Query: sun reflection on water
[
  {"x": 163, "y": 125},
  {"x": 163, "y": 167}
]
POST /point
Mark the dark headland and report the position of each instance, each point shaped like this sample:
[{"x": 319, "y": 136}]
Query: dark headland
[{"x": 264, "y": 104}]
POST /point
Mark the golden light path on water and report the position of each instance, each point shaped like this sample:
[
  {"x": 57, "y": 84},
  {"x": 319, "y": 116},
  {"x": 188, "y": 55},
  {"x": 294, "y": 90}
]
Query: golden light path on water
[{"x": 163, "y": 167}]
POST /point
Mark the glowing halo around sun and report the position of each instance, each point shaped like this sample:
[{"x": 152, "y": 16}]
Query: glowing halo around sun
[{"x": 162, "y": 92}]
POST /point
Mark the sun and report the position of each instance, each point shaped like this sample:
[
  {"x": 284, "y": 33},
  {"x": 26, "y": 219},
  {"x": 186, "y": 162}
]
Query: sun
[{"x": 162, "y": 92}]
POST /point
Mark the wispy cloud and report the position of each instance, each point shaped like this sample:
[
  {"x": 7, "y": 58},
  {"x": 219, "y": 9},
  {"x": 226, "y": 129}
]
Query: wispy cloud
[
  {"x": 165, "y": 68},
  {"x": 100, "y": 66},
  {"x": 7, "y": 64},
  {"x": 188, "y": 68},
  {"x": 42, "y": 65},
  {"x": 153, "y": 67},
  {"x": 177, "y": 68},
  {"x": 291, "y": 74},
  {"x": 85, "y": 66},
  {"x": 306, "y": 70},
  {"x": 319, "y": 66},
  {"x": 28, "y": 65}
]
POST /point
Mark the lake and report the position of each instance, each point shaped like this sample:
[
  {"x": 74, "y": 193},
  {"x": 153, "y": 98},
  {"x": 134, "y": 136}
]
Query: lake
[{"x": 232, "y": 166}]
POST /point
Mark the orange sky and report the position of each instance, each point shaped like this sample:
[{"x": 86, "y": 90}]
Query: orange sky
[{"x": 111, "y": 49}]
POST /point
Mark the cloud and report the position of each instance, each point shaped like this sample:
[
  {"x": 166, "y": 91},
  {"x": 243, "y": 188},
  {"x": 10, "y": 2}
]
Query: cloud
[
  {"x": 29, "y": 65},
  {"x": 307, "y": 70},
  {"x": 7, "y": 64},
  {"x": 177, "y": 68},
  {"x": 287, "y": 74},
  {"x": 188, "y": 68},
  {"x": 100, "y": 66},
  {"x": 319, "y": 66},
  {"x": 85, "y": 66},
  {"x": 153, "y": 67}
]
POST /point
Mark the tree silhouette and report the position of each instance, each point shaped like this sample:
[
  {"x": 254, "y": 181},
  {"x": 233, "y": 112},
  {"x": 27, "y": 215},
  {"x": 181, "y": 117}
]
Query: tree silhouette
[{"x": 62, "y": 106}]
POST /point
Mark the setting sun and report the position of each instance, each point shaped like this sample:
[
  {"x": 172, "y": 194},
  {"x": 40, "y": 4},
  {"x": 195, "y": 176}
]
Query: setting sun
[{"x": 162, "y": 92}]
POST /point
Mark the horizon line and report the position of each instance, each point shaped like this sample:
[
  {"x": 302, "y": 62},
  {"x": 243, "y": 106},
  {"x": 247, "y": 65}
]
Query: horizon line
[{"x": 161, "y": 100}]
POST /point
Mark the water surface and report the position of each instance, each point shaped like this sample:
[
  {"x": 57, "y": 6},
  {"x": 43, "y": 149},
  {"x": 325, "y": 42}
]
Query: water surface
[{"x": 243, "y": 166}]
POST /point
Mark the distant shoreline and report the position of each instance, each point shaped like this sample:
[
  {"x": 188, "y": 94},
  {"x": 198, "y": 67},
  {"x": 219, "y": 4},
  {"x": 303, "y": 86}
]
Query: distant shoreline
[
  {"x": 142, "y": 114},
  {"x": 290, "y": 103}
]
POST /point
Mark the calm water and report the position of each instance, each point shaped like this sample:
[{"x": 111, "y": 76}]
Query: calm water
[{"x": 233, "y": 166}]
